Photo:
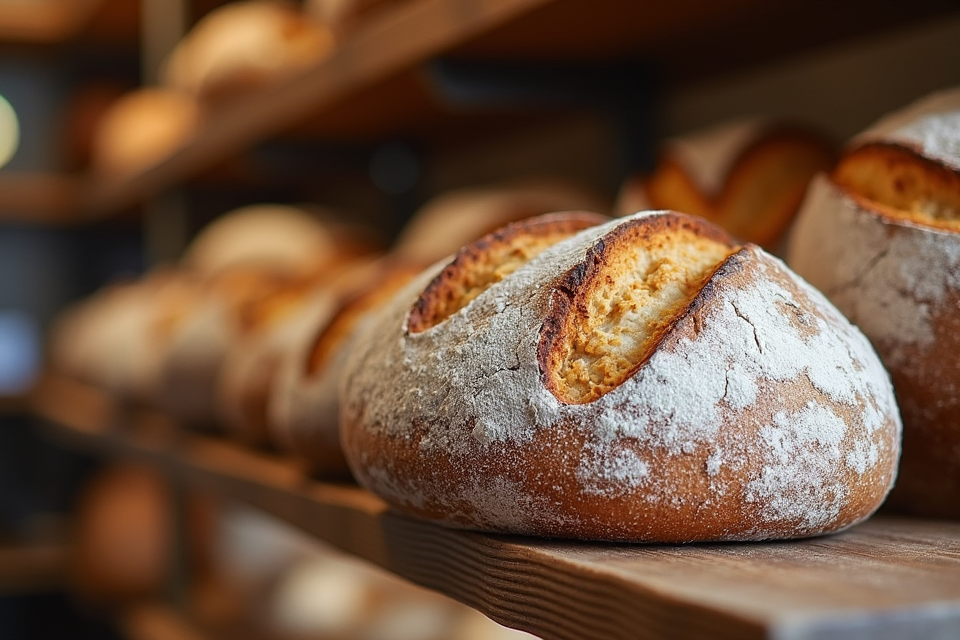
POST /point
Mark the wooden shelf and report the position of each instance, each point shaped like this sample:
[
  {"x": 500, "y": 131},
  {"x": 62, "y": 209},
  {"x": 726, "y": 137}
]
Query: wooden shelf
[
  {"x": 32, "y": 567},
  {"x": 40, "y": 198},
  {"x": 390, "y": 44},
  {"x": 890, "y": 577},
  {"x": 374, "y": 87}
]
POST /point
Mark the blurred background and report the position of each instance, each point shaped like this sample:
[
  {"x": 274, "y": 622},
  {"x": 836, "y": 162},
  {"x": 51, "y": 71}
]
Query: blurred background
[{"x": 129, "y": 126}]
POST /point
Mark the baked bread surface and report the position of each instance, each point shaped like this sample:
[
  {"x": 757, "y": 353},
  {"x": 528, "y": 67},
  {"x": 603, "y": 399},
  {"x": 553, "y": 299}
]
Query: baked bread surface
[
  {"x": 759, "y": 412},
  {"x": 879, "y": 238}
]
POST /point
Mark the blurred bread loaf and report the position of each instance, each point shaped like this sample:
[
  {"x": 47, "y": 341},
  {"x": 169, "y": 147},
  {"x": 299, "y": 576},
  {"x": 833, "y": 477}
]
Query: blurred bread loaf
[
  {"x": 748, "y": 176},
  {"x": 459, "y": 216},
  {"x": 245, "y": 45},
  {"x": 141, "y": 128},
  {"x": 879, "y": 236}
]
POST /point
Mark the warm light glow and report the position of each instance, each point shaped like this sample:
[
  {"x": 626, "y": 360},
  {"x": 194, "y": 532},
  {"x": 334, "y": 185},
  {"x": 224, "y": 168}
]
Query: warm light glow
[{"x": 9, "y": 131}]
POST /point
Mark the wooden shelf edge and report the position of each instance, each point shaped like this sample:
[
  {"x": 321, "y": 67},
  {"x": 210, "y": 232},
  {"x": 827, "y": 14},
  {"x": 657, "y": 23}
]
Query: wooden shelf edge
[
  {"x": 44, "y": 21},
  {"x": 32, "y": 567},
  {"x": 888, "y": 575},
  {"x": 396, "y": 40},
  {"x": 40, "y": 198}
]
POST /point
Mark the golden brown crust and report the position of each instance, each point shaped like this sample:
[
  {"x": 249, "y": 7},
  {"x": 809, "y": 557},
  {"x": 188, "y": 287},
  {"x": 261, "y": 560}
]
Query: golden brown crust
[
  {"x": 490, "y": 259},
  {"x": 900, "y": 184},
  {"x": 765, "y": 188},
  {"x": 759, "y": 190}
]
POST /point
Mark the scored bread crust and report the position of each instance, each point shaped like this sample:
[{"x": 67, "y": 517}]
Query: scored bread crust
[
  {"x": 897, "y": 276},
  {"x": 761, "y": 413}
]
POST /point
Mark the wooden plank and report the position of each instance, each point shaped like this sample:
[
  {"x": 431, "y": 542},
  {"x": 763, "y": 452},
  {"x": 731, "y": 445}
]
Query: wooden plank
[
  {"x": 26, "y": 568},
  {"x": 39, "y": 198},
  {"x": 392, "y": 42},
  {"x": 890, "y": 577},
  {"x": 154, "y": 621}
]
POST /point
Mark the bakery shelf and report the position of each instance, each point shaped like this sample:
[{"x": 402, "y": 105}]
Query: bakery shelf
[
  {"x": 389, "y": 44},
  {"x": 376, "y": 86},
  {"x": 33, "y": 567},
  {"x": 890, "y": 577},
  {"x": 44, "y": 198}
]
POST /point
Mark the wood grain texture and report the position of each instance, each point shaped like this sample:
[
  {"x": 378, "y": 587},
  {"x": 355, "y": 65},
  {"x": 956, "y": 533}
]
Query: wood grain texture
[{"x": 887, "y": 578}]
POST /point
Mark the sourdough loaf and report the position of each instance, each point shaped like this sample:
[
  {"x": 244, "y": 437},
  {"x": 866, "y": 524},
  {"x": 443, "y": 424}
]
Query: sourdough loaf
[
  {"x": 879, "y": 236},
  {"x": 646, "y": 379}
]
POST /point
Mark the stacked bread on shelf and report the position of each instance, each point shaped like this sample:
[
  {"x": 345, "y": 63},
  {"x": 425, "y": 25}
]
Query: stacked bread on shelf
[
  {"x": 236, "y": 49},
  {"x": 879, "y": 236},
  {"x": 650, "y": 377}
]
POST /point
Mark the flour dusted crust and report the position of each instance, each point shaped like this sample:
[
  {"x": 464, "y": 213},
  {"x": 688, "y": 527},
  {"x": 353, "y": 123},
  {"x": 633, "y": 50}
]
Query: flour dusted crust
[
  {"x": 760, "y": 412},
  {"x": 305, "y": 406},
  {"x": 880, "y": 238},
  {"x": 117, "y": 338}
]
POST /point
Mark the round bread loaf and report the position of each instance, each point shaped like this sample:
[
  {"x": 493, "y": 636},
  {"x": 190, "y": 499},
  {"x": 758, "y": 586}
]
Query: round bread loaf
[
  {"x": 141, "y": 128},
  {"x": 117, "y": 338},
  {"x": 642, "y": 380},
  {"x": 278, "y": 235},
  {"x": 880, "y": 237}
]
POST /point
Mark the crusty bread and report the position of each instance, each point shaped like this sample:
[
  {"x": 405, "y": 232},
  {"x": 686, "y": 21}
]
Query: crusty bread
[
  {"x": 269, "y": 326},
  {"x": 205, "y": 333},
  {"x": 757, "y": 411},
  {"x": 879, "y": 237},
  {"x": 141, "y": 128},
  {"x": 116, "y": 338},
  {"x": 305, "y": 405},
  {"x": 748, "y": 176}
]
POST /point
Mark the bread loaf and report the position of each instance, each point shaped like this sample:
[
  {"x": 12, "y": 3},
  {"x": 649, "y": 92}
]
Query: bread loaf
[
  {"x": 303, "y": 407},
  {"x": 748, "y": 176},
  {"x": 276, "y": 235},
  {"x": 141, "y": 128},
  {"x": 459, "y": 216},
  {"x": 246, "y": 45},
  {"x": 271, "y": 326},
  {"x": 646, "y": 379},
  {"x": 879, "y": 236}
]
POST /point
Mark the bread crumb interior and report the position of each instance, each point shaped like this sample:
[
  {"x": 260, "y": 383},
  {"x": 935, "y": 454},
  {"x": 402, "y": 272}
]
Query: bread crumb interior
[
  {"x": 903, "y": 185},
  {"x": 618, "y": 317}
]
